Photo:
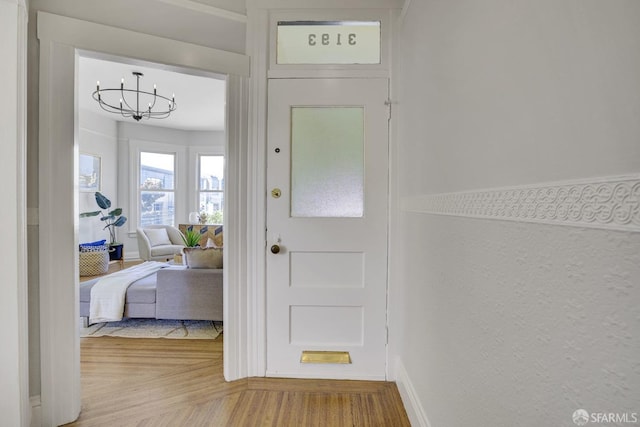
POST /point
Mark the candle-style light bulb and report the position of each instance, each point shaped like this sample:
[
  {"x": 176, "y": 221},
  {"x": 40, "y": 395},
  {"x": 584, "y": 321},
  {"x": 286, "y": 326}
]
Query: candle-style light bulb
[
  {"x": 98, "y": 85},
  {"x": 122, "y": 83}
]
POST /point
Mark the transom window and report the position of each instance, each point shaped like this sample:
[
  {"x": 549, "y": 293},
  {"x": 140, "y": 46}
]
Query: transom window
[{"x": 328, "y": 42}]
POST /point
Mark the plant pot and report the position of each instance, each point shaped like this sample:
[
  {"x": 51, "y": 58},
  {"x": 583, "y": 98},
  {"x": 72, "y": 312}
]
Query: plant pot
[{"x": 115, "y": 252}]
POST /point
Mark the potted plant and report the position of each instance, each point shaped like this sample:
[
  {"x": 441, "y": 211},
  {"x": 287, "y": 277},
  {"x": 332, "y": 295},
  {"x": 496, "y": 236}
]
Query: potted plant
[
  {"x": 191, "y": 238},
  {"x": 112, "y": 219}
]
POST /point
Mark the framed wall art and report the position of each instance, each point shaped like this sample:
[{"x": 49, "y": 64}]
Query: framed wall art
[{"x": 89, "y": 174}]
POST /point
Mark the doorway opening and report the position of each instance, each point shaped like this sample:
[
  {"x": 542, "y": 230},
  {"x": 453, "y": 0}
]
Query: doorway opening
[
  {"x": 160, "y": 173},
  {"x": 61, "y": 40}
]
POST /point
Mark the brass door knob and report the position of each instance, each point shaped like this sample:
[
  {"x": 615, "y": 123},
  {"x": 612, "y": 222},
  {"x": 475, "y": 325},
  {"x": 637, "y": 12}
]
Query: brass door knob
[{"x": 275, "y": 249}]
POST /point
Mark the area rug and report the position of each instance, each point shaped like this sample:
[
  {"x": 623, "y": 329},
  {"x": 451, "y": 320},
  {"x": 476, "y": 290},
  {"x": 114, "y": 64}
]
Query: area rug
[{"x": 152, "y": 328}]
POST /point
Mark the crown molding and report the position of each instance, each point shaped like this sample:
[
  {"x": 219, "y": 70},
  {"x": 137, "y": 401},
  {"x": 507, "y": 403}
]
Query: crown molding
[{"x": 607, "y": 203}]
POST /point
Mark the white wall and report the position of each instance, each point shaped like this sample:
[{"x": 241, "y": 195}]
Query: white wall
[
  {"x": 509, "y": 323},
  {"x": 98, "y": 136}
]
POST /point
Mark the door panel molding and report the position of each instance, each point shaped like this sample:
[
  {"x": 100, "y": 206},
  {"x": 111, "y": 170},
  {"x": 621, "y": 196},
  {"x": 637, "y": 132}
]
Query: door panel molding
[{"x": 308, "y": 309}]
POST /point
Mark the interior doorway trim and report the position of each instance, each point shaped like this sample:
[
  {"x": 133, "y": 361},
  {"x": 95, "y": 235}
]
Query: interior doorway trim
[
  {"x": 60, "y": 40},
  {"x": 116, "y": 41},
  {"x": 14, "y": 359}
]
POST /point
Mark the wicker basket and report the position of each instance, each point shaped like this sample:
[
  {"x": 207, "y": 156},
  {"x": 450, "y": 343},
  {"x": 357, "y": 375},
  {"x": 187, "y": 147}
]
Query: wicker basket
[{"x": 94, "y": 260}]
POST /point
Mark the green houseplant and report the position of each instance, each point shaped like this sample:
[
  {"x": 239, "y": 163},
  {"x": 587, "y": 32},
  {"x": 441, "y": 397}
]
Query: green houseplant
[
  {"x": 191, "y": 238},
  {"x": 112, "y": 219}
]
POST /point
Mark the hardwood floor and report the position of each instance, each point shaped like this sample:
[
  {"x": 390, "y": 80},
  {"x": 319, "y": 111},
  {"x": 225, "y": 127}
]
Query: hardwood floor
[
  {"x": 113, "y": 267},
  {"x": 164, "y": 382}
]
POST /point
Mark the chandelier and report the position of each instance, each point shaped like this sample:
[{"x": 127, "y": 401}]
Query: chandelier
[{"x": 137, "y": 97}]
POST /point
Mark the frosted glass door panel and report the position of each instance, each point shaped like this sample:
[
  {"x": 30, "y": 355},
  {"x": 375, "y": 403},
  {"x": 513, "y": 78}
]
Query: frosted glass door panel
[{"x": 327, "y": 161}]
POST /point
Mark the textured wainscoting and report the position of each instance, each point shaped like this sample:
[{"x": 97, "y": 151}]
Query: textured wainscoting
[
  {"x": 607, "y": 203},
  {"x": 508, "y": 302},
  {"x": 514, "y": 317}
]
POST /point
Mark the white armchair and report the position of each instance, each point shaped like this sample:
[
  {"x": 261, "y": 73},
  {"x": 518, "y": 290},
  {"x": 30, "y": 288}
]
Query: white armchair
[{"x": 159, "y": 242}]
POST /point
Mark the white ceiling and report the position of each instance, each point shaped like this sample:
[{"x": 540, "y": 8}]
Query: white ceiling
[{"x": 200, "y": 100}]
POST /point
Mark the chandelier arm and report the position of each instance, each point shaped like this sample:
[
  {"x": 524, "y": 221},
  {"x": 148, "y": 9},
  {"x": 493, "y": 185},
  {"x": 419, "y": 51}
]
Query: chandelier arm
[
  {"x": 124, "y": 99},
  {"x": 105, "y": 105},
  {"x": 155, "y": 97}
]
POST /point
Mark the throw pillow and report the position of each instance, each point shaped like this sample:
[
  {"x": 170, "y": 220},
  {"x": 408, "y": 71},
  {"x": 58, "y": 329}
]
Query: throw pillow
[
  {"x": 203, "y": 257},
  {"x": 157, "y": 236}
]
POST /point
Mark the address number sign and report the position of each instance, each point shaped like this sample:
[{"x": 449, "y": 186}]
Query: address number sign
[{"x": 328, "y": 42}]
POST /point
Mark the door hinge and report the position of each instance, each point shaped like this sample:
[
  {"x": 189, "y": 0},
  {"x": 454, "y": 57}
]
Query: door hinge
[{"x": 389, "y": 103}]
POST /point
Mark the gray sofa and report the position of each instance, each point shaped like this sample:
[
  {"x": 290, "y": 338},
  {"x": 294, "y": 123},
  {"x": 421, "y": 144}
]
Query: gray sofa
[{"x": 171, "y": 293}]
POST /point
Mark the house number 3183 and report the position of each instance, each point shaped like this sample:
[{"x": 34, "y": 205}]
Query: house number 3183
[{"x": 337, "y": 39}]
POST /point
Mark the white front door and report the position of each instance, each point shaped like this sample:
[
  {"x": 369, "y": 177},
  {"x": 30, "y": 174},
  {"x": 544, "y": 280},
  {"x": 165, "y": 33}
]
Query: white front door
[{"x": 327, "y": 170}]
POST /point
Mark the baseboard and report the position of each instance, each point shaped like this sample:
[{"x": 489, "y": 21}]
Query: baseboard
[
  {"x": 412, "y": 405},
  {"x": 36, "y": 411},
  {"x": 131, "y": 256}
]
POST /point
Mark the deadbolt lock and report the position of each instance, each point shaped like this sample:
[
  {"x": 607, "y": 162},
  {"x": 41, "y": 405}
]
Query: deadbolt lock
[
  {"x": 276, "y": 193},
  {"x": 275, "y": 249}
]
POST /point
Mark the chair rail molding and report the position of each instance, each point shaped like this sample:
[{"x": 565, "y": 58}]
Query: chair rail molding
[{"x": 608, "y": 203}]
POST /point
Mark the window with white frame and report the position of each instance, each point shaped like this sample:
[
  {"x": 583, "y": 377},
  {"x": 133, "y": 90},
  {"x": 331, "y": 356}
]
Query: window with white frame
[
  {"x": 211, "y": 187},
  {"x": 156, "y": 190}
]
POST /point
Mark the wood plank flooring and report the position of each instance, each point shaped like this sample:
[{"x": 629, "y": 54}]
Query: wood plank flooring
[
  {"x": 175, "y": 383},
  {"x": 113, "y": 267}
]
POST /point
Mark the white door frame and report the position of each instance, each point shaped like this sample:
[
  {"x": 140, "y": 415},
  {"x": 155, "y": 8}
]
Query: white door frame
[
  {"x": 261, "y": 17},
  {"x": 60, "y": 39}
]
